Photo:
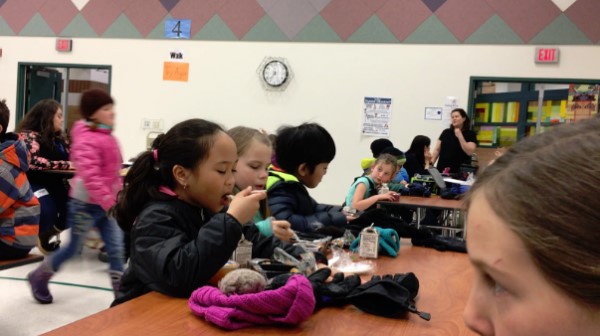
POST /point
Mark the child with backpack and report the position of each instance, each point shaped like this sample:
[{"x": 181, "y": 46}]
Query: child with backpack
[{"x": 363, "y": 193}]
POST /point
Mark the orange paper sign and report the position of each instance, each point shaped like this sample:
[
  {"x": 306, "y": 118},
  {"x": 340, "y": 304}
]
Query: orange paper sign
[{"x": 176, "y": 71}]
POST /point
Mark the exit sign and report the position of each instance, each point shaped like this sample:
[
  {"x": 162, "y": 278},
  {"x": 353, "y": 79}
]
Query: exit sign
[
  {"x": 546, "y": 55},
  {"x": 63, "y": 44}
]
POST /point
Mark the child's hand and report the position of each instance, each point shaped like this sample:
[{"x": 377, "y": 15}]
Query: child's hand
[
  {"x": 282, "y": 229},
  {"x": 245, "y": 204},
  {"x": 389, "y": 196}
]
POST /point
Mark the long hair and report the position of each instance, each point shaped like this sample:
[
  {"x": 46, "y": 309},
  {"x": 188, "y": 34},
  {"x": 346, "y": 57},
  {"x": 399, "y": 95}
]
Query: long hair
[
  {"x": 4, "y": 116},
  {"x": 545, "y": 188},
  {"x": 186, "y": 144},
  {"x": 40, "y": 119},
  {"x": 417, "y": 147}
]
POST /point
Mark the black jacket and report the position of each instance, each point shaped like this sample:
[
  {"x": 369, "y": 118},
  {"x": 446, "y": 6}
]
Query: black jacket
[
  {"x": 289, "y": 200},
  {"x": 177, "y": 248}
]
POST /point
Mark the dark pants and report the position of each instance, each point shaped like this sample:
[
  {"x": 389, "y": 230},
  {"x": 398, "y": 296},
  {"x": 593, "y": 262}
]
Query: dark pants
[
  {"x": 53, "y": 206},
  {"x": 8, "y": 252}
]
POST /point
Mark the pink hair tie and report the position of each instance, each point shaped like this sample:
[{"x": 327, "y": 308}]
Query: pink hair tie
[{"x": 155, "y": 154}]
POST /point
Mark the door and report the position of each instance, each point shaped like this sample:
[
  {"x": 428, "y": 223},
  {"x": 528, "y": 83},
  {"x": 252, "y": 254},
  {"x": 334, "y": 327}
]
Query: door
[{"x": 42, "y": 83}]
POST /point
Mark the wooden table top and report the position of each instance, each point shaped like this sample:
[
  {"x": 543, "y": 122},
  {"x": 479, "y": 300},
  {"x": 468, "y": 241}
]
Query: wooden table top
[
  {"x": 445, "y": 281},
  {"x": 435, "y": 202}
]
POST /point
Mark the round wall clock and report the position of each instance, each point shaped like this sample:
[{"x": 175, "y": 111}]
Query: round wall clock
[{"x": 275, "y": 73}]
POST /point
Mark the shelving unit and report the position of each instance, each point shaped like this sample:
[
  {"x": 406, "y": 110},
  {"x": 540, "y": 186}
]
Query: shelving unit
[{"x": 505, "y": 110}]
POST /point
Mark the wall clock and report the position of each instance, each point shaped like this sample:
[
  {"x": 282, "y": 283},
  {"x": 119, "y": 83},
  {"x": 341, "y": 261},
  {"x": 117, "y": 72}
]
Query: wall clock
[{"x": 275, "y": 73}]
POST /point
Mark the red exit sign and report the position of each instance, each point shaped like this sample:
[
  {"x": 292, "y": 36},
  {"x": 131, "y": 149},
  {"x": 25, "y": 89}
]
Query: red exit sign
[
  {"x": 63, "y": 44},
  {"x": 546, "y": 55}
]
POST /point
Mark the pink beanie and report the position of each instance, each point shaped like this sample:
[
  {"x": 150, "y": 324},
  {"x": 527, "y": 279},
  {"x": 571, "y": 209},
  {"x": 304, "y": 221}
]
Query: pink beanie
[{"x": 290, "y": 304}]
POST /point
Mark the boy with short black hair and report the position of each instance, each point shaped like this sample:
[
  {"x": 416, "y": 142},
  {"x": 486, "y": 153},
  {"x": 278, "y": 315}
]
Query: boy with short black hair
[
  {"x": 303, "y": 154},
  {"x": 19, "y": 208}
]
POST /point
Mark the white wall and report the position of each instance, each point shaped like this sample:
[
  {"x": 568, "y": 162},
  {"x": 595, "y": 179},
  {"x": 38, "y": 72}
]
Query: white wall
[{"x": 329, "y": 85}]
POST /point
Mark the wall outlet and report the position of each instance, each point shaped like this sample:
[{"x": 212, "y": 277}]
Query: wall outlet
[{"x": 152, "y": 124}]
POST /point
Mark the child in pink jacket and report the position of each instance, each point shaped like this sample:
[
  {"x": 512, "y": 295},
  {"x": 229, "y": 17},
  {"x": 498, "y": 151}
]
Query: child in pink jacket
[{"x": 97, "y": 159}]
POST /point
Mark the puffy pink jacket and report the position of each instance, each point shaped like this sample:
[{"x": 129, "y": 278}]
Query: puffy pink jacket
[{"x": 97, "y": 159}]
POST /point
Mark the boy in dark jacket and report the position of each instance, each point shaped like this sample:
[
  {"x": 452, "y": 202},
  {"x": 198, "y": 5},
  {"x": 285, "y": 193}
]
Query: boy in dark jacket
[{"x": 303, "y": 154}]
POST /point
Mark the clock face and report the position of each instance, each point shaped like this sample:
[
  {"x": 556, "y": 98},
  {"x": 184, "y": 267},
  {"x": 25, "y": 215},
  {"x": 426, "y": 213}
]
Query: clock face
[{"x": 275, "y": 73}]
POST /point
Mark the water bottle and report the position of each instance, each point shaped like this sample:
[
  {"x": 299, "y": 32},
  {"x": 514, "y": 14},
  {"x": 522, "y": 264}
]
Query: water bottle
[{"x": 384, "y": 189}]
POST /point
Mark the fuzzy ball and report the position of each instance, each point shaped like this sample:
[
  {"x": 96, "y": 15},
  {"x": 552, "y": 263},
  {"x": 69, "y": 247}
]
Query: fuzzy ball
[
  {"x": 92, "y": 100},
  {"x": 242, "y": 281}
]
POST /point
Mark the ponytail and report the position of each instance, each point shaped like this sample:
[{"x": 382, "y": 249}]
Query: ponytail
[{"x": 140, "y": 186}]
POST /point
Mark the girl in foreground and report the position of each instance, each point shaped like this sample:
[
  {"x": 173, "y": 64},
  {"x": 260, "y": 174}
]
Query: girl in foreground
[{"x": 533, "y": 231}]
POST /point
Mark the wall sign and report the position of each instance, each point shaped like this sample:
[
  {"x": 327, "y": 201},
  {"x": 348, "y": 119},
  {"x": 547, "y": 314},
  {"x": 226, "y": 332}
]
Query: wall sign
[
  {"x": 546, "y": 55},
  {"x": 178, "y": 29}
]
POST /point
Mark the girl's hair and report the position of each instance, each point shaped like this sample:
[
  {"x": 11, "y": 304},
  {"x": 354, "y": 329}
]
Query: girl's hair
[
  {"x": 186, "y": 144},
  {"x": 467, "y": 124},
  {"x": 41, "y": 119},
  {"x": 243, "y": 136},
  {"x": 387, "y": 159},
  {"x": 4, "y": 116},
  {"x": 417, "y": 147},
  {"x": 545, "y": 188}
]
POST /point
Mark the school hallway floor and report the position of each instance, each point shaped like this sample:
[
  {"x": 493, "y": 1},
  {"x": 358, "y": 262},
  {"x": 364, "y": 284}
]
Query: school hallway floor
[{"x": 81, "y": 288}]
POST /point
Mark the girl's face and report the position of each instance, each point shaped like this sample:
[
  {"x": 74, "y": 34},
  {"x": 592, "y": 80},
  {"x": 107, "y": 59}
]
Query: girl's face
[
  {"x": 510, "y": 296},
  {"x": 252, "y": 166},
  {"x": 57, "y": 121},
  {"x": 382, "y": 173},
  {"x": 105, "y": 115},
  {"x": 457, "y": 120},
  {"x": 212, "y": 180}
]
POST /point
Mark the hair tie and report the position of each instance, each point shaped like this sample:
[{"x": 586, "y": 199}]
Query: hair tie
[{"x": 155, "y": 154}]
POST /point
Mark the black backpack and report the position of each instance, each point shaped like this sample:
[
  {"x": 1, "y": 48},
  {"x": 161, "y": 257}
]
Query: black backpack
[{"x": 390, "y": 295}]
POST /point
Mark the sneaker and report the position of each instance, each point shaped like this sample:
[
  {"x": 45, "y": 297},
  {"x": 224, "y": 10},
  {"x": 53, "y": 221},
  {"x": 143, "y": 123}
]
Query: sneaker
[
  {"x": 103, "y": 256},
  {"x": 45, "y": 243}
]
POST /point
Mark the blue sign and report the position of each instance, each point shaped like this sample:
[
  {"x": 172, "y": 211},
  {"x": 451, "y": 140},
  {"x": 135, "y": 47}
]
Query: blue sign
[{"x": 178, "y": 29}]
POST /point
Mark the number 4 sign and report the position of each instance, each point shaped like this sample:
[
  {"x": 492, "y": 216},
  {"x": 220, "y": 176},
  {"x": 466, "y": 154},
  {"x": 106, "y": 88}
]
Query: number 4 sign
[{"x": 178, "y": 29}]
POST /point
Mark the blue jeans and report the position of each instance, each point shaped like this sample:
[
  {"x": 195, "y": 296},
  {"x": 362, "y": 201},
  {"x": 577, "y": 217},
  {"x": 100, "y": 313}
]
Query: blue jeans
[{"x": 81, "y": 217}]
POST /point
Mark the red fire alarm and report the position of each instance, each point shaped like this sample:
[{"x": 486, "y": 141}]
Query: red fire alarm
[
  {"x": 64, "y": 45},
  {"x": 546, "y": 55}
]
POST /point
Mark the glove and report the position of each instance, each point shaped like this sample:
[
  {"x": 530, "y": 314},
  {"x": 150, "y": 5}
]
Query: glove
[
  {"x": 332, "y": 293},
  {"x": 389, "y": 296},
  {"x": 389, "y": 242}
]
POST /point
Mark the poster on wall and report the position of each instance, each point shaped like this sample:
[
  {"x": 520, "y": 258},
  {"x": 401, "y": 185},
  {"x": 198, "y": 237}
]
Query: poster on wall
[
  {"x": 582, "y": 102},
  {"x": 450, "y": 103},
  {"x": 377, "y": 114},
  {"x": 433, "y": 113}
]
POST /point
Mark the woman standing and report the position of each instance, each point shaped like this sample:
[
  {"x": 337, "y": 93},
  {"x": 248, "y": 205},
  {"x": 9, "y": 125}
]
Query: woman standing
[
  {"x": 42, "y": 132},
  {"x": 456, "y": 143}
]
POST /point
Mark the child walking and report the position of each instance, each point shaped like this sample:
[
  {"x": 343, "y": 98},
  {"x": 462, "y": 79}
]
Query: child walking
[
  {"x": 363, "y": 192},
  {"x": 252, "y": 169},
  {"x": 176, "y": 204},
  {"x": 95, "y": 154}
]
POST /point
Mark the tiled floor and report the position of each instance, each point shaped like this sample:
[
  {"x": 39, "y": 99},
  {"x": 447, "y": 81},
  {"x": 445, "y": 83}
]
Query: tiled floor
[{"x": 80, "y": 288}]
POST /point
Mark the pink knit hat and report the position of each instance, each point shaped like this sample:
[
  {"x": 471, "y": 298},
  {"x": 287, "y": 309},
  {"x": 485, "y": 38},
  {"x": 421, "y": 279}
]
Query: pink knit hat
[{"x": 290, "y": 304}]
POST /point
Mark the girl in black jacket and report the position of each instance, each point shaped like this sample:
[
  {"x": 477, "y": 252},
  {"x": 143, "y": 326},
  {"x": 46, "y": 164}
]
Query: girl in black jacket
[{"x": 185, "y": 223}]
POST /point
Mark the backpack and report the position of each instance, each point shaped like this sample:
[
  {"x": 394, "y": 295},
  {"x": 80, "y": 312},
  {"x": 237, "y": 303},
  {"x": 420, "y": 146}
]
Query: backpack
[
  {"x": 389, "y": 295},
  {"x": 372, "y": 188}
]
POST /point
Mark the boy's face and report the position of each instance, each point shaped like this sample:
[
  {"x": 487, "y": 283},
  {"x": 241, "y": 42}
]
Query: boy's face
[{"x": 311, "y": 180}]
